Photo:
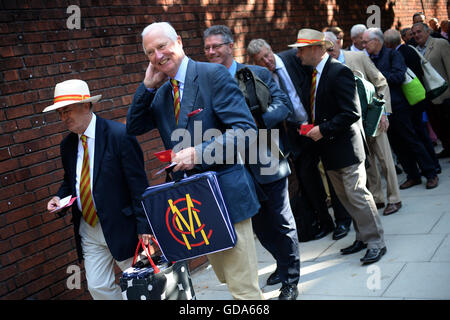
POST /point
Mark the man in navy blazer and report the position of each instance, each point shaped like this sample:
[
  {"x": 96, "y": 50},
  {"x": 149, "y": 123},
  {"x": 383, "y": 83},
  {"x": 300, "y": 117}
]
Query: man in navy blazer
[
  {"x": 212, "y": 118},
  {"x": 335, "y": 112},
  {"x": 116, "y": 179},
  {"x": 274, "y": 225}
]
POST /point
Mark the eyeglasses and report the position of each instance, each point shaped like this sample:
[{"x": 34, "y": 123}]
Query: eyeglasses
[
  {"x": 366, "y": 42},
  {"x": 214, "y": 46},
  {"x": 330, "y": 49}
]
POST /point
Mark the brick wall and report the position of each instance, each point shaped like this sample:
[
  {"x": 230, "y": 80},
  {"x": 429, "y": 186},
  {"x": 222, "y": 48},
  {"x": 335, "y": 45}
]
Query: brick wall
[{"x": 37, "y": 51}]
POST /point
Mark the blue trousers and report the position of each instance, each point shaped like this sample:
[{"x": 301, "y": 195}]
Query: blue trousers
[{"x": 275, "y": 227}]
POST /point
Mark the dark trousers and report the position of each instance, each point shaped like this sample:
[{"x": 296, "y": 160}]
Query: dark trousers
[
  {"x": 410, "y": 150},
  {"x": 439, "y": 116},
  {"x": 310, "y": 181},
  {"x": 422, "y": 130},
  {"x": 274, "y": 225}
]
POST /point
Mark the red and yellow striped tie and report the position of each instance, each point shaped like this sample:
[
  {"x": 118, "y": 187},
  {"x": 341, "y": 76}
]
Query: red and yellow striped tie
[
  {"x": 176, "y": 98},
  {"x": 87, "y": 203},
  {"x": 313, "y": 94}
]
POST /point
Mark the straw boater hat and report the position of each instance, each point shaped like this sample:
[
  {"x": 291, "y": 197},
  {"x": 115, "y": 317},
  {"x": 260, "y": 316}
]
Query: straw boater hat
[
  {"x": 71, "y": 92},
  {"x": 310, "y": 37}
]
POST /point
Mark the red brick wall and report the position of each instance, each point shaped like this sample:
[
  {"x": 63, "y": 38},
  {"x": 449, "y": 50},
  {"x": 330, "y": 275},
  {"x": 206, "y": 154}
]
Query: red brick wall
[{"x": 37, "y": 51}]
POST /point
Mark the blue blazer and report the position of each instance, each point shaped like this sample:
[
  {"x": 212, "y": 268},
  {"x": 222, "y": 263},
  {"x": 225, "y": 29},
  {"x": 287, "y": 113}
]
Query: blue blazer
[
  {"x": 278, "y": 111},
  {"x": 119, "y": 180},
  {"x": 210, "y": 88}
]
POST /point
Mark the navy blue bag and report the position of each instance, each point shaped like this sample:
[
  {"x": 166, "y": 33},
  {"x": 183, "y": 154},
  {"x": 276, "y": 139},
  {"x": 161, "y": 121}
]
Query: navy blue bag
[{"x": 189, "y": 217}]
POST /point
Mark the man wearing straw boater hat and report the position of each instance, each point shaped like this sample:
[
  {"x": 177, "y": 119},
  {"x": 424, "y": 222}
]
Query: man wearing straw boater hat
[
  {"x": 335, "y": 112},
  {"x": 104, "y": 169}
]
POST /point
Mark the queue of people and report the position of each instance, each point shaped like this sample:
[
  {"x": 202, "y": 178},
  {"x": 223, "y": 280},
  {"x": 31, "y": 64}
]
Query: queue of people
[{"x": 311, "y": 85}]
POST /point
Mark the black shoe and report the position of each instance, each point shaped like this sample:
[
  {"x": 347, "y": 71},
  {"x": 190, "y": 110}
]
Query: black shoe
[
  {"x": 323, "y": 232},
  {"x": 340, "y": 231},
  {"x": 288, "y": 292},
  {"x": 373, "y": 255},
  {"x": 274, "y": 278},
  {"x": 355, "y": 247}
]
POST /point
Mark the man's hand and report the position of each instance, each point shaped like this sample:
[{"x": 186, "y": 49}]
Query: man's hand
[
  {"x": 185, "y": 159},
  {"x": 384, "y": 124},
  {"x": 154, "y": 78},
  {"x": 53, "y": 203},
  {"x": 315, "y": 133},
  {"x": 145, "y": 238}
]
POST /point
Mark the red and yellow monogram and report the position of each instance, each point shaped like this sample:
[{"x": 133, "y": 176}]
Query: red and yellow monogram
[{"x": 185, "y": 221}]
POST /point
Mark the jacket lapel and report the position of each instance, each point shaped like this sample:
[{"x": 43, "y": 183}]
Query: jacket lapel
[
  {"x": 189, "y": 94},
  {"x": 101, "y": 140}
]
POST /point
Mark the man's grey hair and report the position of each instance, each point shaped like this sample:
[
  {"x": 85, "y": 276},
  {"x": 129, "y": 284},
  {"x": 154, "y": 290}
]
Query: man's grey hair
[
  {"x": 166, "y": 27},
  {"x": 255, "y": 46},
  {"x": 217, "y": 30},
  {"x": 357, "y": 29},
  {"x": 375, "y": 33},
  {"x": 330, "y": 36},
  {"x": 423, "y": 25},
  {"x": 392, "y": 38}
]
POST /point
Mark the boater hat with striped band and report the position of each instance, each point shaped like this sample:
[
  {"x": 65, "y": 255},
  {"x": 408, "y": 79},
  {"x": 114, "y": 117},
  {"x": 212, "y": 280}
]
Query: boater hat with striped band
[
  {"x": 71, "y": 92},
  {"x": 311, "y": 37}
]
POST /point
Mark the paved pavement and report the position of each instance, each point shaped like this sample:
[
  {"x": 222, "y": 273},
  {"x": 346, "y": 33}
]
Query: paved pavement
[{"x": 416, "y": 265}]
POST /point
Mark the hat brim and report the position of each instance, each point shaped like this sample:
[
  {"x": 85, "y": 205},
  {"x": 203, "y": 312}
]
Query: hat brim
[
  {"x": 66, "y": 103},
  {"x": 328, "y": 44}
]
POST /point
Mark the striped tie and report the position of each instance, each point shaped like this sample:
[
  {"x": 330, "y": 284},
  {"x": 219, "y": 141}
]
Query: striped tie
[
  {"x": 176, "y": 98},
  {"x": 87, "y": 203},
  {"x": 313, "y": 94}
]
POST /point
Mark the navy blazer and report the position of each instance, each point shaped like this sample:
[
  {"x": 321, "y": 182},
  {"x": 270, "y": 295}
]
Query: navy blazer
[
  {"x": 119, "y": 180},
  {"x": 278, "y": 111},
  {"x": 210, "y": 88},
  {"x": 392, "y": 65},
  {"x": 338, "y": 115}
]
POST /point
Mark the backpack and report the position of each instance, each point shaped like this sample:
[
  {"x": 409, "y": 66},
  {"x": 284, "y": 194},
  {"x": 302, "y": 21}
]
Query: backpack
[
  {"x": 372, "y": 108},
  {"x": 256, "y": 93}
]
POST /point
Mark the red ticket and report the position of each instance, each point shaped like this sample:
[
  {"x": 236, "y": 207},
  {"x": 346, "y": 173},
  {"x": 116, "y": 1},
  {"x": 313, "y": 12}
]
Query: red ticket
[
  {"x": 305, "y": 128},
  {"x": 164, "y": 156}
]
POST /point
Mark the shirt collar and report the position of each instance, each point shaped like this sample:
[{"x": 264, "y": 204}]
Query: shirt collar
[
  {"x": 90, "y": 130},
  {"x": 321, "y": 64},
  {"x": 279, "y": 64},
  {"x": 181, "y": 73},
  {"x": 233, "y": 68},
  {"x": 341, "y": 57}
]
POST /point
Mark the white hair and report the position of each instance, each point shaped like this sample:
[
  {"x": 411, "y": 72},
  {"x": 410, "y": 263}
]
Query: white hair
[
  {"x": 168, "y": 30},
  {"x": 357, "y": 29},
  {"x": 376, "y": 33}
]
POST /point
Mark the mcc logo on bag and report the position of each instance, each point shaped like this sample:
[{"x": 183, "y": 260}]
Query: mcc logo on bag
[{"x": 189, "y": 217}]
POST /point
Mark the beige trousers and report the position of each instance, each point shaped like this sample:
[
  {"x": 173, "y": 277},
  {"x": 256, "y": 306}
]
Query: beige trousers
[
  {"x": 238, "y": 267},
  {"x": 99, "y": 263},
  {"x": 350, "y": 186},
  {"x": 380, "y": 148}
]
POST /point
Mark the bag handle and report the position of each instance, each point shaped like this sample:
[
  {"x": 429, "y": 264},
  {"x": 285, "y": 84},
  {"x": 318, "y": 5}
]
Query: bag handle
[{"x": 147, "y": 253}]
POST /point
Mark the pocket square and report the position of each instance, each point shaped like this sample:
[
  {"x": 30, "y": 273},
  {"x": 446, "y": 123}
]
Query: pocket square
[{"x": 193, "y": 113}]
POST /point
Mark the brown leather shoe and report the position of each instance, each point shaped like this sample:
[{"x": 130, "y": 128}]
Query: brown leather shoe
[
  {"x": 392, "y": 208},
  {"x": 432, "y": 182},
  {"x": 410, "y": 183}
]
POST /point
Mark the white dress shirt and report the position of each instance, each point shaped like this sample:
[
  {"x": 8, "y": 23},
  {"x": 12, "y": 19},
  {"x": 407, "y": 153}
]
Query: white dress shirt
[{"x": 300, "y": 114}]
